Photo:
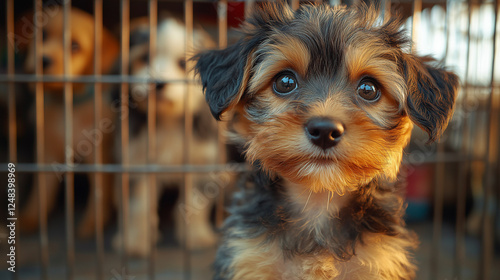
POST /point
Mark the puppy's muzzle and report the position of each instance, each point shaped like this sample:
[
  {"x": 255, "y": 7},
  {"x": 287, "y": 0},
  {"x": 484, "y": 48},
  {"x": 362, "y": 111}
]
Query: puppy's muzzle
[{"x": 323, "y": 132}]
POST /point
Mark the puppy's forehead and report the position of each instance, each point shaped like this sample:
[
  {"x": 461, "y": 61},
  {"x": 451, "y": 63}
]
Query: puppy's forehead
[
  {"x": 327, "y": 35},
  {"x": 331, "y": 45}
]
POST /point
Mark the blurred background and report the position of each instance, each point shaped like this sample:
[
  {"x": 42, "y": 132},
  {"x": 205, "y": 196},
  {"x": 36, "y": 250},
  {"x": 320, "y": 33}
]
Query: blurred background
[{"x": 100, "y": 115}]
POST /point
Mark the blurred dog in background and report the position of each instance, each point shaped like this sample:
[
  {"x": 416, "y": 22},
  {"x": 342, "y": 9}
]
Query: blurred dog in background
[
  {"x": 85, "y": 135},
  {"x": 168, "y": 69}
]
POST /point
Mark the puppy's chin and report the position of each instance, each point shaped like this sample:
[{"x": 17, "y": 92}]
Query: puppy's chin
[{"x": 321, "y": 175}]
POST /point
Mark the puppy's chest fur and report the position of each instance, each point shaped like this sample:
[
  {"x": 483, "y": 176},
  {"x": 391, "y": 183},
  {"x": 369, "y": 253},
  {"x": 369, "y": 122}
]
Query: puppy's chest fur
[{"x": 289, "y": 233}]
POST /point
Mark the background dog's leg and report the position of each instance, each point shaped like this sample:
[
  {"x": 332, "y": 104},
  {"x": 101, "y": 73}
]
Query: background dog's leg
[
  {"x": 29, "y": 218},
  {"x": 137, "y": 243},
  {"x": 195, "y": 212},
  {"x": 86, "y": 227},
  {"x": 87, "y": 224}
]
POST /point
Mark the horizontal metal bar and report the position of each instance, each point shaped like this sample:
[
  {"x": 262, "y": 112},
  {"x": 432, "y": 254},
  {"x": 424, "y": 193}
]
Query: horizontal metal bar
[
  {"x": 118, "y": 168},
  {"x": 106, "y": 79},
  {"x": 159, "y": 168}
]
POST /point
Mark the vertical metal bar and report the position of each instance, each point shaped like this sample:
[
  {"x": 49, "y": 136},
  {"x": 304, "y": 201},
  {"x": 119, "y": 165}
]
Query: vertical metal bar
[
  {"x": 152, "y": 191},
  {"x": 249, "y": 7},
  {"x": 438, "y": 193},
  {"x": 10, "y": 71},
  {"x": 9, "y": 17},
  {"x": 98, "y": 177},
  {"x": 40, "y": 143},
  {"x": 487, "y": 242},
  {"x": 188, "y": 133},
  {"x": 386, "y": 10},
  {"x": 438, "y": 211},
  {"x": 417, "y": 11},
  {"x": 68, "y": 140},
  {"x": 465, "y": 165},
  {"x": 222, "y": 23},
  {"x": 446, "y": 30},
  {"x": 335, "y": 2},
  {"x": 124, "y": 92}
]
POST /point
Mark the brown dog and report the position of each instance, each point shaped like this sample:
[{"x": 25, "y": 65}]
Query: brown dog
[{"x": 84, "y": 141}]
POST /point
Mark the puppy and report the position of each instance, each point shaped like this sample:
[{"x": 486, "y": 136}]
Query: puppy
[
  {"x": 82, "y": 63},
  {"x": 169, "y": 68},
  {"x": 326, "y": 100}
]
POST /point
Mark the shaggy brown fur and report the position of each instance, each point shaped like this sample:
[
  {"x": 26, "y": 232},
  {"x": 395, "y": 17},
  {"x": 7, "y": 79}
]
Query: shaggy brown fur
[{"x": 319, "y": 205}]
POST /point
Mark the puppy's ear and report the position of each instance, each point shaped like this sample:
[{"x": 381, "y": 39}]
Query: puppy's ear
[
  {"x": 224, "y": 75},
  {"x": 431, "y": 94}
]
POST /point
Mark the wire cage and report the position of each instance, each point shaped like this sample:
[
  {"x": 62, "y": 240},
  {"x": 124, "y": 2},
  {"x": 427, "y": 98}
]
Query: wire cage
[{"x": 452, "y": 189}]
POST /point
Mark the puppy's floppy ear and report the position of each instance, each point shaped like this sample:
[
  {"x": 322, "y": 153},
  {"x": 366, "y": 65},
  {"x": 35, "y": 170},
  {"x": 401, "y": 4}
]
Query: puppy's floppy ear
[
  {"x": 224, "y": 75},
  {"x": 431, "y": 94}
]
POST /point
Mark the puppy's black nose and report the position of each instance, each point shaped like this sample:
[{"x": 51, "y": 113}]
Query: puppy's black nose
[
  {"x": 323, "y": 132},
  {"x": 46, "y": 61}
]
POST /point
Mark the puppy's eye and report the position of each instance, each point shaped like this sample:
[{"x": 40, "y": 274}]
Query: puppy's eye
[
  {"x": 284, "y": 83},
  {"x": 368, "y": 90},
  {"x": 75, "y": 46}
]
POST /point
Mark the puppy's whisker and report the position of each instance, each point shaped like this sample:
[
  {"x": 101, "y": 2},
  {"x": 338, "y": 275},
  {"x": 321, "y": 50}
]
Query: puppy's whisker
[
  {"x": 328, "y": 201},
  {"x": 307, "y": 201}
]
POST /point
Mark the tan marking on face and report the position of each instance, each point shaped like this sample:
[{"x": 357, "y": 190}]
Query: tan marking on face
[
  {"x": 366, "y": 150},
  {"x": 286, "y": 53},
  {"x": 369, "y": 57}
]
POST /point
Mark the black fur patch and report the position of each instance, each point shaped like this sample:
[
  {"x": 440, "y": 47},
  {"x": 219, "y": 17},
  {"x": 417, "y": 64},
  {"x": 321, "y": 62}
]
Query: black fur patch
[
  {"x": 260, "y": 208},
  {"x": 431, "y": 94}
]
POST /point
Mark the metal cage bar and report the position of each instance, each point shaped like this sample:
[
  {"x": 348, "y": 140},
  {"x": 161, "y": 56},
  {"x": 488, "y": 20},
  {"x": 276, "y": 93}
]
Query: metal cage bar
[
  {"x": 249, "y": 5},
  {"x": 98, "y": 151},
  {"x": 124, "y": 120},
  {"x": 40, "y": 144},
  {"x": 188, "y": 134},
  {"x": 151, "y": 149},
  {"x": 460, "y": 249},
  {"x": 439, "y": 181},
  {"x": 68, "y": 142},
  {"x": 487, "y": 243},
  {"x": 9, "y": 18}
]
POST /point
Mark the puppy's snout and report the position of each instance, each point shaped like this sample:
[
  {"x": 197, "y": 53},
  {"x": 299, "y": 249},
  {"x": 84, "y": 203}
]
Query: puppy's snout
[
  {"x": 46, "y": 62},
  {"x": 323, "y": 132}
]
